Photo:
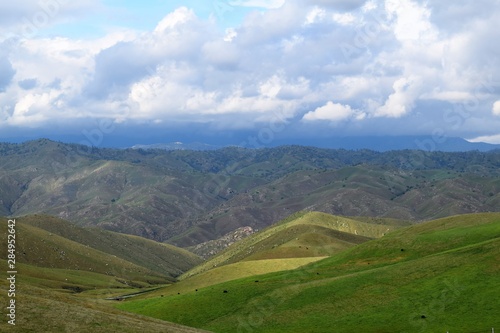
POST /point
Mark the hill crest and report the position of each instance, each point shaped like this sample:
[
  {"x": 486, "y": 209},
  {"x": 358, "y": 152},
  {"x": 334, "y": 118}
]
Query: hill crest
[{"x": 303, "y": 234}]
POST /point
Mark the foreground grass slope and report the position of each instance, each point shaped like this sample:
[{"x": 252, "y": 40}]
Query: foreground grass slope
[
  {"x": 46, "y": 310},
  {"x": 433, "y": 277},
  {"x": 61, "y": 284},
  {"x": 301, "y": 235}
]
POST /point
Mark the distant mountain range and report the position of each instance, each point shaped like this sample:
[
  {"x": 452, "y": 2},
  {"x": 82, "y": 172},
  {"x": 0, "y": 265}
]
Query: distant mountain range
[
  {"x": 188, "y": 197},
  {"x": 178, "y": 146},
  {"x": 425, "y": 143},
  {"x": 376, "y": 143}
]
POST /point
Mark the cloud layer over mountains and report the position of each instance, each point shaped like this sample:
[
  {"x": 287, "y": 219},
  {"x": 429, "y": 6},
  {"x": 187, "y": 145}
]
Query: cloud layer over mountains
[{"x": 351, "y": 67}]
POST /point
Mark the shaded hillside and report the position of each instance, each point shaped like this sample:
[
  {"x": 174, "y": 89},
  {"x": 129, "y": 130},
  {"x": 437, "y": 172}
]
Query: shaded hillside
[
  {"x": 52, "y": 243},
  {"x": 158, "y": 257},
  {"x": 440, "y": 275},
  {"x": 189, "y": 197},
  {"x": 359, "y": 190}
]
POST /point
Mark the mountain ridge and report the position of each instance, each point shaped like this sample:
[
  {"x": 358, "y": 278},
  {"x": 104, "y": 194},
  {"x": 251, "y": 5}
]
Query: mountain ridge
[
  {"x": 190, "y": 197},
  {"x": 375, "y": 143},
  {"x": 379, "y": 143}
]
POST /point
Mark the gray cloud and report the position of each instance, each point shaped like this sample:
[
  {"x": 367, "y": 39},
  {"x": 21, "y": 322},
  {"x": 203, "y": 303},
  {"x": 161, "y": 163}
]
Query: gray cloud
[
  {"x": 28, "y": 84},
  {"x": 455, "y": 16},
  {"x": 342, "y": 5},
  {"x": 116, "y": 68},
  {"x": 7, "y": 72}
]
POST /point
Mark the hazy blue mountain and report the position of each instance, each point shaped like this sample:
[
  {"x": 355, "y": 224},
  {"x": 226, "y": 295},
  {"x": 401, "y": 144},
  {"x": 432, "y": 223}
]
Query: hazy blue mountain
[
  {"x": 178, "y": 146},
  {"x": 201, "y": 142},
  {"x": 388, "y": 143},
  {"x": 376, "y": 143}
]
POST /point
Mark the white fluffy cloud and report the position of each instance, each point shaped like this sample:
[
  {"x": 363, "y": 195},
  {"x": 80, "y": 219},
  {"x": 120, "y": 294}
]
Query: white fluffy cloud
[
  {"x": 402, "y": 100},
  {"x": 493, "y": 139},
  {"x": 331, "y": 112},
  {"x": 496, "y": 108},
  {"x": 405, "y": 63},
  {"x": 411, "y": 20}
]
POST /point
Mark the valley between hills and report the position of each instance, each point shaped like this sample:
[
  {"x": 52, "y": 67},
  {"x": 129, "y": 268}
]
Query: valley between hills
[{"x": 286, "y": 239}]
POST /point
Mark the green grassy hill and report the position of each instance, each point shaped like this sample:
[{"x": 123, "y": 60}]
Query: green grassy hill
[
  {"x": 300, "y": 239},
  {"x": 228, "y": 273},
  {"x": 302, "y": 235},
  {"x": 436, "y": 276}
]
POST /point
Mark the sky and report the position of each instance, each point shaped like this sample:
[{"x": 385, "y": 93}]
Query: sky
[{"x": 241, "y": 71}]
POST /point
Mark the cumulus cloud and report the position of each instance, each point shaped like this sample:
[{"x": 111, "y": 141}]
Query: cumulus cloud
[
  {"x": 357, "y": 63},
  {"x": 402, "y": 100},
  {"x": 178, "y": 37},
  {"x": 344, "y": 19},
  {"x": 315, "y": 15},
  {"x": 411, "y": 20},
  {"x": 175, "y": 19},
  {"x": 496, "y": 108},
  {"x": 331, "y": 112}
]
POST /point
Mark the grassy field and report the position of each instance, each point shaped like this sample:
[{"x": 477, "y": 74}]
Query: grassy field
[
  {"x": 437, "y": 276},
  {"x": 230, "y": 272},
  {"x": 39, "y": 309}
]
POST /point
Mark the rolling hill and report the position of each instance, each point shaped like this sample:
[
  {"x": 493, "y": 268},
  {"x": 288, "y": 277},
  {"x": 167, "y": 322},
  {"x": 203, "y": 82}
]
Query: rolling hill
[
  {"x": 158, "y": 257},
  {"x": 52, "y": 244},
  {"x": 300, "y": 239},
  {"x": 301, "y": 235},
  {"x": 440, "y": 275},
  {"x": 65, "y": 272}
]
